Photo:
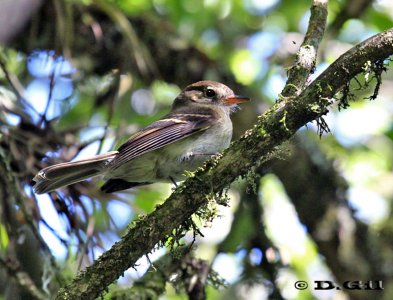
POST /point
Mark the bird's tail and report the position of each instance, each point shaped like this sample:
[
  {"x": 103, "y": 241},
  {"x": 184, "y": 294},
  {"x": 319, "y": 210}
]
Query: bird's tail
[{"x": 63, "y": 174}]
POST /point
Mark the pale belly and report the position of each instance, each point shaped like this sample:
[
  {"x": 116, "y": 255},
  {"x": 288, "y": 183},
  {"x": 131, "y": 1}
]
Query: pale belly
[{"x": 188, "y": 156}]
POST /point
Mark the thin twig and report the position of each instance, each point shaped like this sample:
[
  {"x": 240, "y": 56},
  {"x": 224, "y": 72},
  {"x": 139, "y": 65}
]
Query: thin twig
[
  {"x": 89, "y": 234},
  {"x": 16, "y": 86},
  {"x": 22, "y": 278},
  {"x": 114, "y": 89},
  {"x": 50, "y": 96}
]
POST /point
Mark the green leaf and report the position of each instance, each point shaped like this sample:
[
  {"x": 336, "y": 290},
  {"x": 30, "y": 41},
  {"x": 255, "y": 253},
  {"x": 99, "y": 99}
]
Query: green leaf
[
  {"x": 4, "y": 240},
  {"x": 147, "y": 199}
]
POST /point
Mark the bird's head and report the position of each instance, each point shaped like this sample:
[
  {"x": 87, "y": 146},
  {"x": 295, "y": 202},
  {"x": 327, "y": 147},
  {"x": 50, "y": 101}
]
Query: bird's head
[{"x": 205, "y": 93}]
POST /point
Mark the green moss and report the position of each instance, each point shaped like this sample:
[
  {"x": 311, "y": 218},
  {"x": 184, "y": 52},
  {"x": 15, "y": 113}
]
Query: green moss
[{"x": 283, "y": 121}]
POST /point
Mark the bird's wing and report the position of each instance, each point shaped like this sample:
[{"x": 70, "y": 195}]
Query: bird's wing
[{"x": 172, "y": 128}]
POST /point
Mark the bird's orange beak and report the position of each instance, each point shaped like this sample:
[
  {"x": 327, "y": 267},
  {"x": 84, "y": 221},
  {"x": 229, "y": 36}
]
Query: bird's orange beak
[{"x": 236, "y": 99}]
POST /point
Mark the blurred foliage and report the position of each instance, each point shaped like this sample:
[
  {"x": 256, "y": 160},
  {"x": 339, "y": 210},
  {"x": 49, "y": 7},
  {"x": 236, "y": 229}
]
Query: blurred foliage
[{"x": 86, "y": 74}]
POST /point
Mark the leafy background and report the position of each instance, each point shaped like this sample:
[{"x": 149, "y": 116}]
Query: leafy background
[{"x": 78, "y": 77}]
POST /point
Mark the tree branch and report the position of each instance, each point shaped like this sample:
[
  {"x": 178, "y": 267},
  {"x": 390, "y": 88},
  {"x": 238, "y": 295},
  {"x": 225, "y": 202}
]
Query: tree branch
[
  {"x": 307, "y": 54},
  {"x": 258, "y": 145},
  {"x": 352, "y": 9}
]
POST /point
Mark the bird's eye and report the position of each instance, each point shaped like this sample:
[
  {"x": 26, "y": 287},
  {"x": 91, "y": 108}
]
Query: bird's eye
[{"x": 210, "y": 93}]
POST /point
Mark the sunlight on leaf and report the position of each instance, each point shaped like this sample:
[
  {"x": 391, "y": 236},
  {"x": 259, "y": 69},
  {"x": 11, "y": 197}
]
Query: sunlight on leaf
[
  {"x": 3, "y": 237},
  {"x": 244, "y": 66}
]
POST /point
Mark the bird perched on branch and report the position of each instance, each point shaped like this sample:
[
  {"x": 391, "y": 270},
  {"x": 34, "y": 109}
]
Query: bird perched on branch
[{"x": 197, "y": 127}]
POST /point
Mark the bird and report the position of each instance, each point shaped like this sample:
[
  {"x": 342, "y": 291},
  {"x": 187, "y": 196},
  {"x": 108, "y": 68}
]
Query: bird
[{"x": 197, "y": 127}]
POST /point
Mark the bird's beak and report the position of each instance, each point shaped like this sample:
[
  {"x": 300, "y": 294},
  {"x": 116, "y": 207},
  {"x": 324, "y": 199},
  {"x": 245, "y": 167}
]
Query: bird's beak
[{"x": 236, "y": 99}]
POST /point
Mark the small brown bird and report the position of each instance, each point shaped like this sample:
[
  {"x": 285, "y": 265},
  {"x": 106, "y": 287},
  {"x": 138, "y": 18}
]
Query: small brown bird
[{"x": 197, "y": 127}]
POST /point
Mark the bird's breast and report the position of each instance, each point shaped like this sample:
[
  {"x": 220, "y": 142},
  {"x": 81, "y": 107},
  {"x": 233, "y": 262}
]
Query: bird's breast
[{"x": 190, "y": 153}]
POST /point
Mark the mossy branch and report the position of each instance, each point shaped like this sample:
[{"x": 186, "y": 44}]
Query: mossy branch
[
  {"x": 185, "y": 272},
  {"x": 273, "y": 128},
  {"x": 307, "y": 54}
]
